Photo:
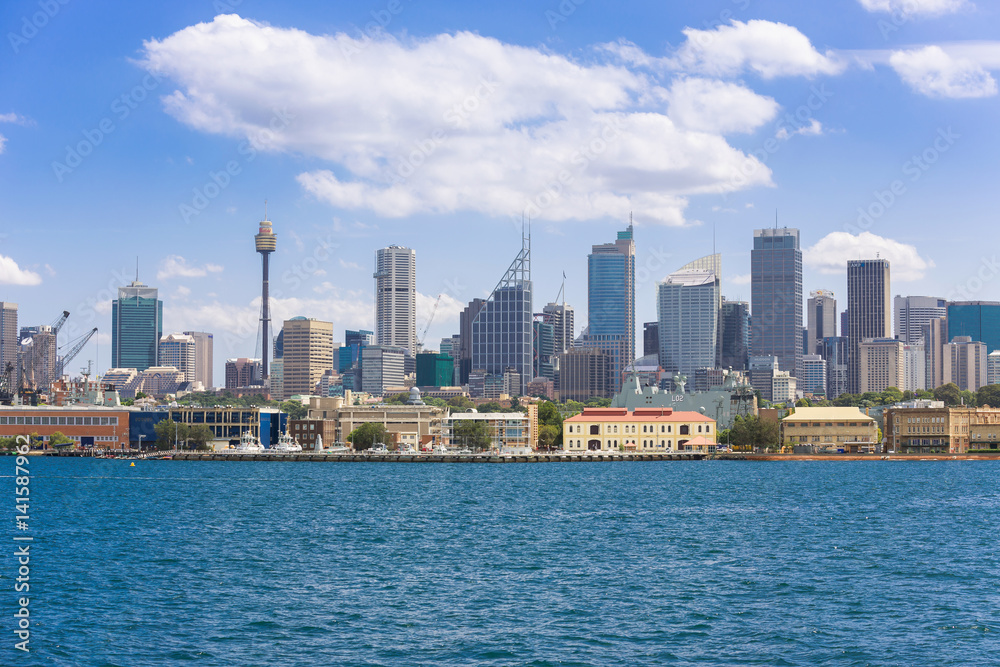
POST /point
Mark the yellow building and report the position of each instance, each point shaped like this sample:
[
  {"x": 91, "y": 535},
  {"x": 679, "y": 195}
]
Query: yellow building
[
  {"x": 639, "y": 430},
  {"x": 308, "y": 353},
  {"x": 846, "y": 430}
]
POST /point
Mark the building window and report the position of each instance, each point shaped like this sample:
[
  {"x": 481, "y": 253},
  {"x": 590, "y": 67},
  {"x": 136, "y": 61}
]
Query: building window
[
  {"x": 685, "y": 430},
  {"x": 595, "y": 429}
]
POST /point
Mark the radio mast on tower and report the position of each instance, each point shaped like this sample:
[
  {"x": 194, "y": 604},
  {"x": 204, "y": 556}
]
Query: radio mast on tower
[{"x": 266, "y": 243}]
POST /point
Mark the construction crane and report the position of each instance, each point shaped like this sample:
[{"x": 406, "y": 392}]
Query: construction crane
[
  {"x": 61, "y": 320},
  {"x": 6, "y": 385},
  {"x": 74, "y": 350},
  {"x": 429, "y": 320}
]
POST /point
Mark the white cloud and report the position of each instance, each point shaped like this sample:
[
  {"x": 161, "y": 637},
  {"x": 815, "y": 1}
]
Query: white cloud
[
  {"x": 741, "y": 279},
  {"x": 354, "y": 266},
  {"x": 713, "y": 106},
  {"x": 182, "y": 291},
  {"x": 830, "y": 254},
  {"x": 12, "y": 274},
  {"x": 3, "y": 143},
  {"x": 16, "y": 119},
  {"x": 768, "y": 48},
  {"x": 448, "y": 309},
  {"x": 461, "y": 122},
  {"x": 908, "y": 8},
  {"x": 175, "y": 266},
  {"x": 932, "y": 72},
  {"x": 814, "y": 128}
]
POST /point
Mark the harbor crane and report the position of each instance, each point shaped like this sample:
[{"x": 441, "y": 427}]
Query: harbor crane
[
  {"x": 429, "y": 320},
  {"x": 73, "y": 351}
]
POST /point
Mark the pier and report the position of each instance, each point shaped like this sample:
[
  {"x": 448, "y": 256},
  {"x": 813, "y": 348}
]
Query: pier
[{"x": 391, "y": 457}]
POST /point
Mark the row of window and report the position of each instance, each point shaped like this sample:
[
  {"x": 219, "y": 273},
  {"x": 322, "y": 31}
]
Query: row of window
[
  {"x": 791, "y": 424},
  {"x": 59, "y": 421},
  {"x": 595, "y": 429}
]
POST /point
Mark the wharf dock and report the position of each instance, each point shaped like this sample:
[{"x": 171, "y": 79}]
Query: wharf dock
[{"x": 391, "y": 457}]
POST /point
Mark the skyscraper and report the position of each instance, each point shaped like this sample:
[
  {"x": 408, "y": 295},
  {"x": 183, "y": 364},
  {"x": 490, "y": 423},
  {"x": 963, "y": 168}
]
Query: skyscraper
[
  {"x": 136, "y": 326},
  {"x": 821, "y": 316},
  {"x": 396, "y": 297},
  {"x": 179, "y": 351},
  {"x": 8, "y": 340},
  {"x": 734, "y": 335},
  {"x": 561, "y": 317},
  {"x": 611, "y": 303},
  {"x": 913, "y": 313},
  {"x": 501, "y": 332},
  {"x": 204, "y": 352},
  {"x": 308, "y": 353},
  {"x": 463, "y": 361},
  {"x": 687, "y": 307},
  {"x": 776, "y": 297},
  {"x": 869, "y": 312},
  {"x": 265, "y": 242},
  {"x": 979, "y": 320}
]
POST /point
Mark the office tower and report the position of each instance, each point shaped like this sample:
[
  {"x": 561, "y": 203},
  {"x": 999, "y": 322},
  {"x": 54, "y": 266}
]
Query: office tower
[
  {"x": 178, "y": 350},
  {"x": 833, "y": 350},
  {"x": 502, "y": 331},
  {"x": 964, "y": 363},
  {"x": 381, "y": 367},
  {"x": 993, "y": 368},
  {"x": 734, "y": 335},
  {"x": 561, "y": 317},
  {"x": 204, "y": 356},
  {"x": 979, "y": 320},
  {"x": 776, "y": 297},
  {"x": 844, "y": 322},
  {"x": 915, "y": 365},
  {"x": 583, "y": 373},
  {"x": 136, "y": 326},
  {"x": 434, "y": 369},
  {"x": 611, "y": 303},
  {"x": 349, "y": 355},
  {"x": 821, "y": 316},
  {"x": 465, "y": 320},
  {"x": 242, "y": 372},
  {"x": 9, "y": 342},
  {"x": 39, "y": 356},
  {"x": 276, "y": 379},
  {"x": 913, "y": 313},
  {"x": 396, "y": 297},
  {"x": 265, "y": 242},
  {"x": 453, "y": 348},
  {"x": 935, "y": 334},
  {"x": 763, "y": 369},
  {"x": 870, "y": 315},
  {"x": 687, "y": 307},
  {"x": 308, "y": 353},
  {"x": 544, "y": 350},
  {"x": 882, "y": 364},
  {"x": 813, "y": 374},
  {"x": 651, "y": 339}
]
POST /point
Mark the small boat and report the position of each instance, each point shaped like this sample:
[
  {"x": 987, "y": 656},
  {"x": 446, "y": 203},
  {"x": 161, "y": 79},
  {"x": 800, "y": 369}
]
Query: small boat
[
  {"x": 249, "y": 444},
  {"x": 286, "y": 444}
]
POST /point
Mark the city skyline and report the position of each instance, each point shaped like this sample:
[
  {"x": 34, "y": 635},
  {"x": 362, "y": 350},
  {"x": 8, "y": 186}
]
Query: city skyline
[{"x": 104, "y": 161}]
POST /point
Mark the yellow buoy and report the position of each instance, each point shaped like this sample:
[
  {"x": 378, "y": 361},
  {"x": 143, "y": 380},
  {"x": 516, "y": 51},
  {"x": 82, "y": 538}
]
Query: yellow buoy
[{"x": 131, "y": 465}]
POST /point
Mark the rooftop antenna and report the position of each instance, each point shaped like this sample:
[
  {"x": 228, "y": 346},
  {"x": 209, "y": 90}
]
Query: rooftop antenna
[
  {"x": 265, "y": 209},
  {"x": 137, "y": 268},
  {"x": 713, "y": 237}
]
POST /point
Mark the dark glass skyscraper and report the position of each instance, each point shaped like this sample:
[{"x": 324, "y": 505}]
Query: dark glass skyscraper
[
  {"x": 776, "y": 297},
  {"x": 869, "y": 309},
  {"x": 611, "y": 303},
  {"x": 979, "y": 320},
  {"x": 734, "y": 335},
  {"x": 136, "y": 326}
]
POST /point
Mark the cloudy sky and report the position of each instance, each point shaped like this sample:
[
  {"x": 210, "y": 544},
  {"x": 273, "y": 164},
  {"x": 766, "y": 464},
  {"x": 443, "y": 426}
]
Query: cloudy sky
[{"x": 157, "y": 133}]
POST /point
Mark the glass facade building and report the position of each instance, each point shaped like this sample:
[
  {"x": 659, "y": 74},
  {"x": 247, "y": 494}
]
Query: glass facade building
[
  {"x": 611, "y": 302},
  {"x": 136, "y": 327},
  {"x": 734, "y": 335},
  {"x": 776, "y": 297},
  {"x": 501, "y": 332},
  {"x": 869, "y": 311},
  {"x": 979, "y": 320},
  {"x": 687, "y": 306}
]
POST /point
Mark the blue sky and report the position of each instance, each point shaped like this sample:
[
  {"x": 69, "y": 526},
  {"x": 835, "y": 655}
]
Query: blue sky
[{"x": 159, "y": 132}]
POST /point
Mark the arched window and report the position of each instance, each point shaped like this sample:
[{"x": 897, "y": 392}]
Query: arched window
[
  {"x": 594, "y": 445},
  {"x": 685, "y": 429}
]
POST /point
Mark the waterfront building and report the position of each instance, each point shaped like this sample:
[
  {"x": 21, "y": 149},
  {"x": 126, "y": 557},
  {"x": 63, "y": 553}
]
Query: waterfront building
[
  {"x": 307, "y": 354},
  {"x": 435, "y": 369},
  {"x": 869, "y": 308},
  {"x": 984, "y": 429},
  {"x": 776, "y": 297},
  {"x": 821, "y": 316},
  {"x": 845, "y": 430},
  {"x": 382, "y": 366},
  {"x": 882, "y": 365},
  {"x": 408, "y": 425},
  {"x": 927, "y": 427},
  {"x": 9, "y": 342},
  {"x": 979, "y": 320},
  {"x": 87, "y": 425},
  {"x": 659, "y": 429},
  {"x": 611, "y": 303},
  {"x": 229, "y": 423},
  {"x": 204, "y": 344},
  {"x": 687, "y": 305},
  {"x": 509, "y": 431},
  {"x": 396, "y": 297},
  {"x": 913, "y": 313},
  {"x": 964, "y": 363},
  {"x": 833, "y": 350},
  {"x": 734, "y": 335},
  {"x": 583, "y": 374},
  {"x": 813, "y": 374},
  {"x": 136, "y": 326},
  {"x": 242, "y": 372},
  {"x": 179, "y": 351}
]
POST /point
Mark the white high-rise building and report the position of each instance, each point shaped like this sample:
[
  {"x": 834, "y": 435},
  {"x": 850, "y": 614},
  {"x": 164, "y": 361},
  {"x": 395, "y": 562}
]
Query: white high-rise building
[
  {"x": 396, "y": 297},
  {"x": 687, "y": 307},
  {"x": 913, "y": 313},
  {"x": 993, "y": 367},
  {"x": 178, "y": 350},
  {"x": 204, "y": 356}
]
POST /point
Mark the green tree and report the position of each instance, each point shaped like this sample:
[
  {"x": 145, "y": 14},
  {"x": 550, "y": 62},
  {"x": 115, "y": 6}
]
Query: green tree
[
  {"x": 949, "y": 393},
  {"x": 473, "y": 434},
  {"x": 491, "y": 406},
  {"x": 988, "y": 395},
  {"x": 891, "y": 395},
  {"x": 397, "y": 399},
  {"x": 460, "y": 403},
  {"x": 752, "y": 432},
  {"x": 294, "y": 409},
  {"x": 58, "y": 438},
  {"x": 598, "y": 402},
  {"x": 803, "y": 403},
  {"x": 200, "y": 435},
  {"x": 367, "y": 435},
  {"x": 168, "y": 432},
  {"x": 547, "y": 436}
]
